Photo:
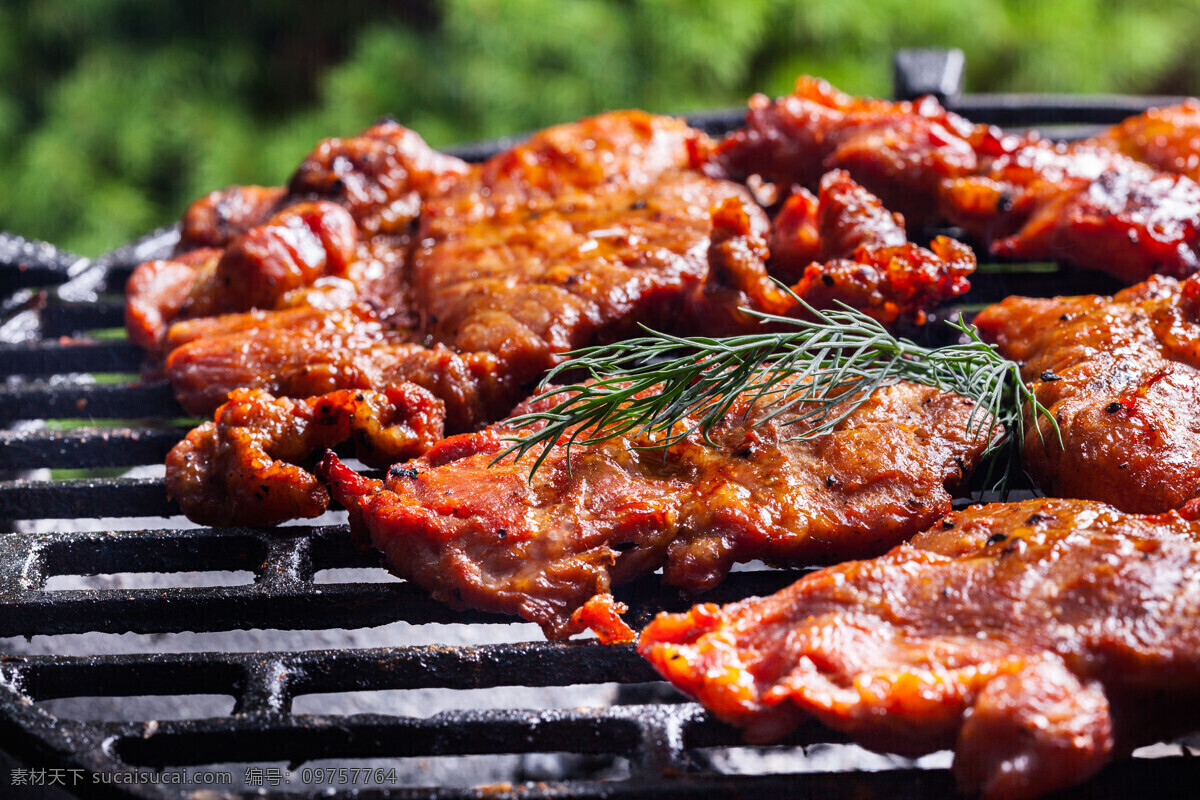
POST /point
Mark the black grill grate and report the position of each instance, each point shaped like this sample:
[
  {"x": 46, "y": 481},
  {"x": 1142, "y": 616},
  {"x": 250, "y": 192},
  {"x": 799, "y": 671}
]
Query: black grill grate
[{"x": 59, "y": 368}]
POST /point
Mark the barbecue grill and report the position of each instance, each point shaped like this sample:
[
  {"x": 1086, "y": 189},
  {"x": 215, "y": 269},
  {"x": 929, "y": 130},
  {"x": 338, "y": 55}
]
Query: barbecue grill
[{"x": 272, "y": 625}]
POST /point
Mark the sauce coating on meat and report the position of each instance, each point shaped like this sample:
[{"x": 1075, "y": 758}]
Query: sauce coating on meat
[
  {"x": 1082, "y": 204},
  {"x": 347, "y": 212},
  {"x": 570, "y": 239},
  {"x": 246, "y": 467},
  {"x": 490, "y": 536},
  {"x": 1166, "y": 138},
  {"x": 845, "y": 247},
  {"x": 309, "y": 351},
  {"x": 1121, "y": 375},
  {"x": 900, "y": 151},
  {"x": 1086, "y": 204},
  {"x": 1037, "y": 638}
]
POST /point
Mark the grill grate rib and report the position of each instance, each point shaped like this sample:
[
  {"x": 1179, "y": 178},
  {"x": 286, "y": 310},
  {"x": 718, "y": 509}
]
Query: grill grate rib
[{"x": 52, "y": 305}]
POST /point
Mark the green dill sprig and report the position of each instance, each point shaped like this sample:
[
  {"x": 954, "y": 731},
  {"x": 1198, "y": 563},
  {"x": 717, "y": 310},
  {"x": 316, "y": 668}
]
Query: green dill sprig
[{"x": 813, "y": 376}]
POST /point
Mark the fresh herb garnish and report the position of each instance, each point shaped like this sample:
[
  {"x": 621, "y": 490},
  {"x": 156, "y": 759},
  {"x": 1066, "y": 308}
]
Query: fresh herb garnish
[{"x": 818, "y": 373}]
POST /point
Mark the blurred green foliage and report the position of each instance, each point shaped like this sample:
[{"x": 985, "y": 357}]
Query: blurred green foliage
[{"x": 115, "y": 113}]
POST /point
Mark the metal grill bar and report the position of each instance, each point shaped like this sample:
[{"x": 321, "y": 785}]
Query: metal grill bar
[
  {"x": 86, "y": 447},
  {"x": 58, "y": 357},
  {"x": 74, "y": 400},
  {"x": 283, "y": 595},
  {"x": 85, "y": 498}
]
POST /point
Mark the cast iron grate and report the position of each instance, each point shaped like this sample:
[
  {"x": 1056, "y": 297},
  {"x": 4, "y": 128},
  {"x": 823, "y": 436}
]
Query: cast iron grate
[{"x": 63, "y": 360}]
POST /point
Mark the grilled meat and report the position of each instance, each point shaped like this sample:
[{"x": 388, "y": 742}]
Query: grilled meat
[
  {"x": 1038, "y": 639},
  {"x": 246, "y": 466},
  {"x": 347, "y": 212},
  {"x": 1081, "y": 204},
  {"x": 1121, "y": 376},
  {"x": 488, "y": 535},
  {"x": 572, "y": 238},
  {"x": 1086, "y": 204},
  {"x": 844, "y": 246},
  {"x": 901, "y": 152},
  {"x": 1167, "y": 138},
  {"x": 217, "y": 218},
  {"x": 380, "y": 176},
  {"x": 307, "y": 351}
]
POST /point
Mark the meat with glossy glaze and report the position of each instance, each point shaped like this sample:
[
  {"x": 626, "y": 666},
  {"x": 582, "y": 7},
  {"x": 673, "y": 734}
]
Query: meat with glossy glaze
[
  {"x": 307, "y": 351},
  {"x": 862, "y": 256},
  {"x": 1167, "y": 138},
  {"x": 1121, "y": 375},
  {"x": 1080, "y": 204},
  {"x": 568, "y": 239},
  {"x": 347, "y": 212},
  {"x": 247, "y": 466},
  {"x": 900, "y": 151},
  {"x": 490, "y": 536},
  {"x": 1026, "y": 197},
  {"x": 1038, "y": 639}
]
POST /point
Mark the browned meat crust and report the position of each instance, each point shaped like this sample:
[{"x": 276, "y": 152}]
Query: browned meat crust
[
  {"x": 863, "y": 258},
  {"x": 217, "y": 218},
  {"x": 1121, "y": 375},
  {"x": 1081, "y": 204},
  {"x": 347, "y": 213},
  {"x": 901, "y": 152},
  {"x": 380, "y": 176},
  {"x": 157, "y": 292},
  {"x": 246, "y": 466},
  {"x": 488, "y": 536},
  {"x": 1086, "y": 204},
  {"x": 1166, "y": 138},
  {"x": 1036, "y": 638},
  {"x": 309, "y": 351},
  {"x": 571, "y": 238}
]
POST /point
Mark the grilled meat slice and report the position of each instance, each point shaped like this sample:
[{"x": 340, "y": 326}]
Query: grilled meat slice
[
  {"x": 307, "y": 351},
  {"x": 1121, "y": 375},
  {"x": 158, "y": 290},
  {"x": 246, "y": 467},
  {"x": 1081, "y": 204},
  {"x": 1086, "y": 204},
  {"x": 844, "y": 246},
  {"x": 1167, "y": 138},
  {"x": 491, "y": 536},
  {"x": 1037, "y": 638},
  {"x": 901, "y": 152},
  {"x": 347, "y": 212},
  {"x": 571, "y": 238},
  {"x": 219, "y": 217},
  {"x": 380, "y": 176}
]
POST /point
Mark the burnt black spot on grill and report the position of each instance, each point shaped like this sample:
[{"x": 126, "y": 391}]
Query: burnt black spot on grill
[
  {"x": 827, "y": 279},
  {"x": 996, "y": 538},
  {"x": 398, "y": 471},
  {"x": 1050, "y": 377},
  {"x": 1112, "y": 407}
]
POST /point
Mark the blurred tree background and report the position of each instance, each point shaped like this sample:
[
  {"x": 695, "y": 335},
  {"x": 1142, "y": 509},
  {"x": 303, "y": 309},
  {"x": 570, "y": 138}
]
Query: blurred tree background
[{"x": 114, "y": 114}]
